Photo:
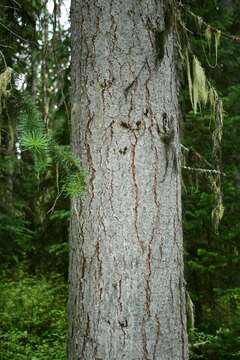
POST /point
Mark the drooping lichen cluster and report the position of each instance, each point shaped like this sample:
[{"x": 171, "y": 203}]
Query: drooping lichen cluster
[
  {"x": 201, "y": 93},
  {"x": 5, "y": 83}
]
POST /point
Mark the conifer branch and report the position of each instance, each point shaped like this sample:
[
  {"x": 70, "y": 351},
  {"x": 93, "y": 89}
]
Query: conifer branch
[
  {"x": 17, "y": 35},
  {"x": 212, "y": 28}
]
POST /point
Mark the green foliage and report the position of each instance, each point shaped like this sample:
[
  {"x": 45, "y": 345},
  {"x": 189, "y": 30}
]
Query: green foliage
[
  {"x": 31, "y": 177},
  {"x": 225, "y": 343},
  {"x": 30, "y": 118},
  {"x": 42, "y": 144},
  {"x": 212, "y": 260},
  {"x": 35, "y": 141},
  {"x": 74, "y": 184},
  {"x": 61, "y": 214},
  {"x": 33, "y": 317}
]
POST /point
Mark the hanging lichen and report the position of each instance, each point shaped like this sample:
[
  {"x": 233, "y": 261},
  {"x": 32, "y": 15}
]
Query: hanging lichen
[
  {"x": 190, "y": 311},
  {"x": 208, "y": 36},
  {"x": 189, "y": 76},
  {"x": 5, "y": 81},
  {"x": 199, "y": 21},
  {"x": 217, "y": 43},
  {"x": 217, "y": 133},
  {"x": 217, "y": 37},
  {"x": 200, "y": 89},
  {"x": 218, "y": 210},
  {"x": 212, "y": 97},
  {"x": 200, "y": 86},
  {"x": 201, "y": 93}
]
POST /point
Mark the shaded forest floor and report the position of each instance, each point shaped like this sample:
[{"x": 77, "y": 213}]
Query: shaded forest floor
[{"x": 33, "y": 316}]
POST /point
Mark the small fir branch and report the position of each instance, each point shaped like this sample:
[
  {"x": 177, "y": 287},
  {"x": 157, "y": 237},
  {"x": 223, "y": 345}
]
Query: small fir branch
[
  {"x": 74, "y": 184},
  {"x": 214, "y": 30},
  {"x": 46, "y": 152},
  {"x": 199, "y": 156}
]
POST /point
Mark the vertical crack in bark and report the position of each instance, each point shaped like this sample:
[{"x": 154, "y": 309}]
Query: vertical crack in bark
[
  {"x": 82, "y": 274},
  {"x": 94, "y": 36},
  {"x": 111, "y": 130},
  {"x": 113, "y": 29},
  {"x": 171, "y": 292},
  {"x": 181, "y": 308},
  {"x": 136, "y": 190},
  {"x": 130, "y": 109},
  {"x": 158, "y": 332},
  {"x": 98, "y": 257},
  {"x": 123, "y": 325},
  {"x": 144, "y": 338},
  {"x": 148, "y": 277},
  {"x": 155, "y": 189},
  {"x": 111, "y": 193},
  {"x": 155, "y": 180},
  {"x": 82, "y": 311},
  {"x": 120, "y": 294},
  {"x": 92, "y": 172},
  {"x": 147, "y": 95},
  {"x": 85, "y": 336}
]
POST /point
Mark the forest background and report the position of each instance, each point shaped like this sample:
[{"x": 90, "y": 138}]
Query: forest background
[{"x": 35, "y": 187}]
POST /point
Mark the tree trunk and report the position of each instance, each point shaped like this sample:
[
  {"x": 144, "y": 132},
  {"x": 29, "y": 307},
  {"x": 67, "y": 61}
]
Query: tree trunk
[{"x": 127, "y": 297}]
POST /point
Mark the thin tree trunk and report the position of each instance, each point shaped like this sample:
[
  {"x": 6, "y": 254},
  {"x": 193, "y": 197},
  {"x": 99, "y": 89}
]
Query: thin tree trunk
[
  {"x": 126, "y": 285},
  {"x": 45, "y": 59}
]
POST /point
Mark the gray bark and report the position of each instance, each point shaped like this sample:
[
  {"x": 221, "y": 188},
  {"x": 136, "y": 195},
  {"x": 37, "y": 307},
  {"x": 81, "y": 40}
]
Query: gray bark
[{"x": 126, "y": 285}]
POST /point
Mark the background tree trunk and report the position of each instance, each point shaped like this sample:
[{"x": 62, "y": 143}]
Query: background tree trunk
[{"x": 127, "y": 298}]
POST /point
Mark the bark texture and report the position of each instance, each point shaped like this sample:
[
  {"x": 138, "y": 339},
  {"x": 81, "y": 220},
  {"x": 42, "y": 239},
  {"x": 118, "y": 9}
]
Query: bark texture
[{"x": 126, "y": 286}]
